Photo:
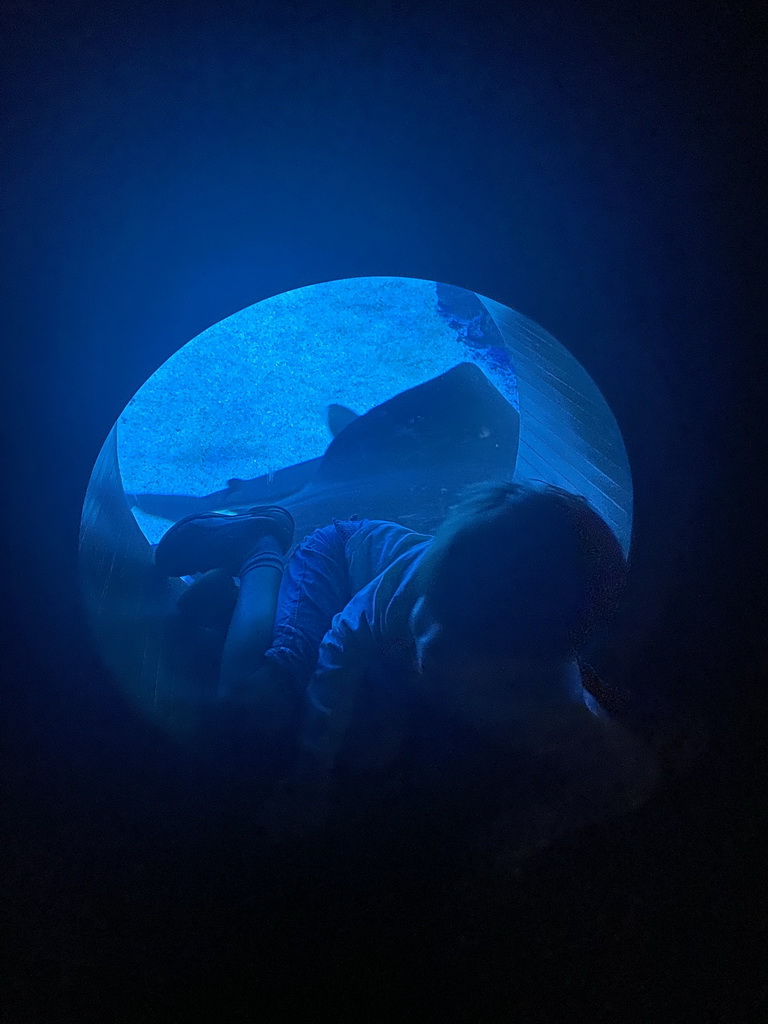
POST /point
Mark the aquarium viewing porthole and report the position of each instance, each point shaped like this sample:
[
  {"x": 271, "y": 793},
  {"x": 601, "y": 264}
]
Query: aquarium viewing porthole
[{"x": 378, "y": 397}]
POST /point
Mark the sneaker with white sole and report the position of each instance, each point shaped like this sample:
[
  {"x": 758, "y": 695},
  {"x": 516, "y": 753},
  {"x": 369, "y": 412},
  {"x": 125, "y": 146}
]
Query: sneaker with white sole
[{"x": 221, "y": 540}]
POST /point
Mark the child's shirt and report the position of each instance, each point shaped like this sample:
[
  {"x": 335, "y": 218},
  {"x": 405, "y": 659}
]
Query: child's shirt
[
  {"x": 369, "y": 640},
  {"x": 364, "y": 704}
]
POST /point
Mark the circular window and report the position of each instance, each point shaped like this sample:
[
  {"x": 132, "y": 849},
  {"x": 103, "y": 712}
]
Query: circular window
[{"x": 377, "y": 397}]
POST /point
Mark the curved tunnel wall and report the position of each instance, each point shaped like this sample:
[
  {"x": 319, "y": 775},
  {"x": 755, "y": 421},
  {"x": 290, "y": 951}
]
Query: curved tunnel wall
[{"x": 568, "y": 434}]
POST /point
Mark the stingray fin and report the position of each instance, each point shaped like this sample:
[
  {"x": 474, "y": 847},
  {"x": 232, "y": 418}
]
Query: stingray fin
[
  {"x": 339, "y": 416},
  {"x": 456, "y": 419}
]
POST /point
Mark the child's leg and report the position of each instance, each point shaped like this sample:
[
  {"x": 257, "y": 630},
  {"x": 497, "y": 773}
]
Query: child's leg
[
  {"x": 250, "y": 545},
  {"x": 251, "y": 626},
  {"x": 315, "y": 587},
  {"x": 285, "y": 611},
  {"x": 290, "y": 619}
]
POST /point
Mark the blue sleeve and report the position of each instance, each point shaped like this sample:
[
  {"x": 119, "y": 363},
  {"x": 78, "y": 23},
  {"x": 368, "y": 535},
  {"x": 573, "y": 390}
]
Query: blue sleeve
[
  {"x": 375, "y": 618},
  {"x": 376, "y": 547},
  {"x": 347, "y": 650}
]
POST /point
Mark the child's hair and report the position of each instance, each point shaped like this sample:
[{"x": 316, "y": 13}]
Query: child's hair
[{"x": 525, "y": 570}]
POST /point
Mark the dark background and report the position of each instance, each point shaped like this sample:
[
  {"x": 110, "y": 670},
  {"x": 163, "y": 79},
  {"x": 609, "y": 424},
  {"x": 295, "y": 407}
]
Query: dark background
[{"x": 597, "y": 169}]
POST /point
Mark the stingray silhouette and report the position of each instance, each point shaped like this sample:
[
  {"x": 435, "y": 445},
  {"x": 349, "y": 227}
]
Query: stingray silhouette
[
  {"x": 402, "y": 460},
  {"x": 406, "y": 460}
]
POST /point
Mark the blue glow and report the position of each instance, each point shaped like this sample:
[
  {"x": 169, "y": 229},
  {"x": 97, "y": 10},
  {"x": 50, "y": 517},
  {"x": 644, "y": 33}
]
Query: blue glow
[{"x": 249, "y": 396}]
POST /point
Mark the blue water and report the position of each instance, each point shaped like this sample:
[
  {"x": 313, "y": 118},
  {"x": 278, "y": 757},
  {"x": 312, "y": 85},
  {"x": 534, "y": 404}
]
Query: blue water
[{"x": 249, "y": 396}]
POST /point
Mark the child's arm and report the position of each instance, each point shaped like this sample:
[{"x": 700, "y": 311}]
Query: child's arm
[
  {"x": 348, "y": 649},
  {"x": 301, "y": 805},
  {"x": 372, "y": 625}
]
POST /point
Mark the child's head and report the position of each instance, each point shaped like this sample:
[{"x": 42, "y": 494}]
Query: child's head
[{"x": 517, "y": 572}]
